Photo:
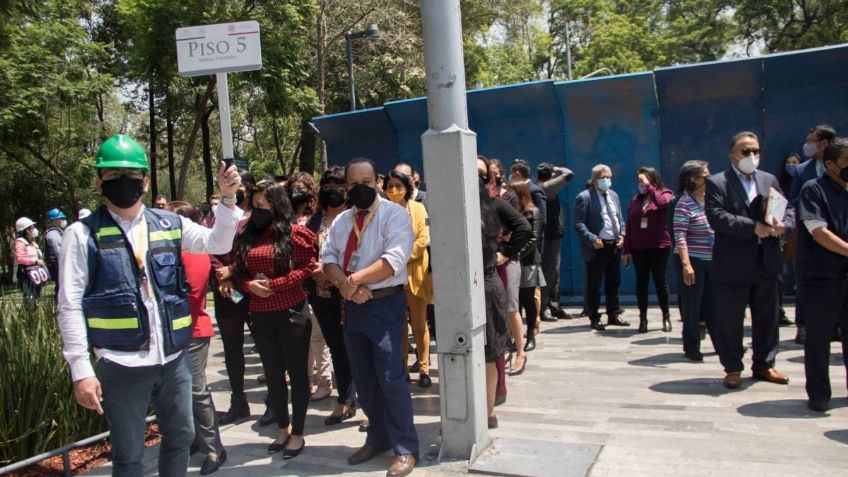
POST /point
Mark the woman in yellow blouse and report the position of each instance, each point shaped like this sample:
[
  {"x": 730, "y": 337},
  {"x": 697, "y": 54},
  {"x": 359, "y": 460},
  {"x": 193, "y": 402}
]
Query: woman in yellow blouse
[{"x": 419, "y": 286}]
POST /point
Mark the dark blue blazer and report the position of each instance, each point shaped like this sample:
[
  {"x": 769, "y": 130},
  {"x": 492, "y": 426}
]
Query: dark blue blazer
[
  {"x": 733, "y": 218},
  {"x": 588, "y": 219},
  {"x": 806, "y": 172}
]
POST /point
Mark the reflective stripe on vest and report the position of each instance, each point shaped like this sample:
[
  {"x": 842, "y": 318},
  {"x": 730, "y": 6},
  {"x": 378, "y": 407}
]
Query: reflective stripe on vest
[
  {"x": 113, "y": 323},
  {"x": 175, "y": 234}
]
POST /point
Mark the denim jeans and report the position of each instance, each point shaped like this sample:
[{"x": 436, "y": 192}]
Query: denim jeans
[{"x": 127, "y": 394}]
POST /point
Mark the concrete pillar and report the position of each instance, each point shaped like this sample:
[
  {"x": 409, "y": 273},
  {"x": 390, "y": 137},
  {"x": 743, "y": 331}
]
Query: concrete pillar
[{"x": 450, "y": 166}]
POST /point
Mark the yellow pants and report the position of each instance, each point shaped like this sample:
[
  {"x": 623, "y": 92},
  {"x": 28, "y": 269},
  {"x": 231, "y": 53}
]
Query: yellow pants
[{"x": 418, "y": 320}]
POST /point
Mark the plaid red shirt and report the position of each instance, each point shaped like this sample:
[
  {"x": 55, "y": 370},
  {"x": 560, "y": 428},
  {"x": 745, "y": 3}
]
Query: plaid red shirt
[{"x": 288, "y": 288}]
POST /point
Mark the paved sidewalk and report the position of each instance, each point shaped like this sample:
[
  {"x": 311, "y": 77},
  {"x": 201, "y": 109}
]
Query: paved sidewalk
[{"x": 652, "y": 412}]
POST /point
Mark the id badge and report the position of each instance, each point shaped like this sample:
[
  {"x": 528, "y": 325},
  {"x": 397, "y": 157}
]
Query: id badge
[
  {"x": 643, "y": 223},
  {"x": 354, "y": 261}
]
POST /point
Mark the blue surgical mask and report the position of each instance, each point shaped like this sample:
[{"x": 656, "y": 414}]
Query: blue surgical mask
[
  {"x": 604, "y": 184},
  {"x": 792, "y": 169},
  {"x": 642, "y": 188}
]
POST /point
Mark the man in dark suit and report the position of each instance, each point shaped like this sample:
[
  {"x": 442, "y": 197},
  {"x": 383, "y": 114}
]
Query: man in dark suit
[
  {"x": 746, "y": 261},
  {"x": 520, "y": 172},
  {"x": 599, "y": 224},
  {"x": 818, "y": 138}
]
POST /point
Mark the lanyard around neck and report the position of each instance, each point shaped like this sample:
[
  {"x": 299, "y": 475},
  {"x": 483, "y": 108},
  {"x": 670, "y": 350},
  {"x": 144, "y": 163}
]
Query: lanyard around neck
[{"x": 368, "y": 218}]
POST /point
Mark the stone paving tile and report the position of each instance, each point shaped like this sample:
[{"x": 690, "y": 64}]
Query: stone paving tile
[{"x": 652, "y": 412}]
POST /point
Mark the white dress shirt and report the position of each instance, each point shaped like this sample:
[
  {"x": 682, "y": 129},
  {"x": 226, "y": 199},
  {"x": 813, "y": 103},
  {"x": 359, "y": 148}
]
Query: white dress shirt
[
  {"x": 750, "y": 185},
  {"x": 389, "y": 236},
  {"x": 608, "y": 213},
  {"x": 74, "y": 277}
]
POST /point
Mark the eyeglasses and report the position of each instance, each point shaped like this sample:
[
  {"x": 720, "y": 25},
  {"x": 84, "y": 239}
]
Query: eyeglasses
[{"x": 748, "y": 151}]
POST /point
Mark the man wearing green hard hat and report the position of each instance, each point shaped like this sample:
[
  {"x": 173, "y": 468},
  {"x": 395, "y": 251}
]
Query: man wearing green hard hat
[{"x": 123, "y": 292}]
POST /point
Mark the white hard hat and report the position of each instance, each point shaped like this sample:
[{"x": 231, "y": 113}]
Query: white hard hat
[
  {"x": 83, "y": 213},
  {"x": 23, "y": 223}
]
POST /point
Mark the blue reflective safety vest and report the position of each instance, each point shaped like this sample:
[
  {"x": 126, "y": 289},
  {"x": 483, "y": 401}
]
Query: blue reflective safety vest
[{"x": 114, "y": 311}]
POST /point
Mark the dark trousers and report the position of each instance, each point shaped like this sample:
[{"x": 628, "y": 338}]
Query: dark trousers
[
  {"x": 282, "y": 338},
  {"x": 373, "y": 338},
  {"x": 604, "y": 266},
  {"x": 527, "y": 301},
  {"x": 231, "y": 318},
  {"x": 731, "y": 299},
  {"x": 827, "y": 306},
  {"x": 550, "y": 269},
  {"x": 54, "y": 275},
  {"x": 697, "y": 303},
  {"x": 127, "y": 394},
  {"x": 651, "y": 264},
  {"x": 207, "y": 436},
  {"x": 328, "y": 311},
  {"x": 800, "y": 307}
]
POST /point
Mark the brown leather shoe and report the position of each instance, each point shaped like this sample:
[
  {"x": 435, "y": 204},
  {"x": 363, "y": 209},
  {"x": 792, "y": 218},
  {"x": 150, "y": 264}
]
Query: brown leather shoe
[
  {"x": 733, "y": 380},
  {"x": 771, "y": 375},
  {"x": 401, "y": 465},
  {"x": 366, "y": 453}
]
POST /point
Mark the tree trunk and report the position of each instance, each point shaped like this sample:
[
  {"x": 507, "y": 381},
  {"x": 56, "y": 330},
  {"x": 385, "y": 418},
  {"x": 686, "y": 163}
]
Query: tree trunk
[
  {"x": 306, "y": 161},
  {"x": 278, "y": 144},
  {"x": 199, "y": 111},
  {"x": 207, "y": 152},
  {"x": 321, "y": 56},
  {"x": 169, "y": 124},
  {"x": 151, "y": 106}
]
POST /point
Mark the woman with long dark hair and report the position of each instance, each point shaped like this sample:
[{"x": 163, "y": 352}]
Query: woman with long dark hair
[
  {"x": 325, "y": 299},
  {"x": 273, "y": 258},
  {"x": 531, "y": 270},
  {"x": 648, "y": 242}
]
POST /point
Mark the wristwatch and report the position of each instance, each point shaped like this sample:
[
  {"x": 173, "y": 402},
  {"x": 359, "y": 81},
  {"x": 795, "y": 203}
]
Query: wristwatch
[{"x": 228, "y": 200}]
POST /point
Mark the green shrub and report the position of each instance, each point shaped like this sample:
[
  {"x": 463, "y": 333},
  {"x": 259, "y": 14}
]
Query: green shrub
[{"x": 38, "y": 411}]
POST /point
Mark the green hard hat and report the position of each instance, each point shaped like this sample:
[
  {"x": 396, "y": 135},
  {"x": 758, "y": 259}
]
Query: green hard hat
[{"x": 121, "y": 151}]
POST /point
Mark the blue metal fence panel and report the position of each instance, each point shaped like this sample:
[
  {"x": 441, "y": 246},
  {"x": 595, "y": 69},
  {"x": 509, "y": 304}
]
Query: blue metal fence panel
[
  {"x": 409, "y": 118},
  {"x": 803, "y": 90},
  {"x": 366, "y": 133},
  {"x": 517, "y": 121},
  {"x": 611, "y": 121},
  {"x": 702, "y": 107}
]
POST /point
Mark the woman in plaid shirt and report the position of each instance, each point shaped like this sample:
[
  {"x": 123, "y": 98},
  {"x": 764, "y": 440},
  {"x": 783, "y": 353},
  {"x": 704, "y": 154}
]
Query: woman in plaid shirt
[{"x": 273, "y": 259}]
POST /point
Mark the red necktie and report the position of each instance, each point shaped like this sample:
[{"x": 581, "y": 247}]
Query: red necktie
[{"x": 352, "y": 240}]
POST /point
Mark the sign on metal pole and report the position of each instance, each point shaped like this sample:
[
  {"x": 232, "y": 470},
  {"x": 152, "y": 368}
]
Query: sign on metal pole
[{"x": 220, "y": 49}]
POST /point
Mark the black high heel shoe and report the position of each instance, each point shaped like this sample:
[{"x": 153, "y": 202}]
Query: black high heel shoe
[
  {"x": 666, "y": 323},
  {"x": 332, "y": 420},
  {"x": 273, "y": 448},
  {"x": 292, "y": 453}
]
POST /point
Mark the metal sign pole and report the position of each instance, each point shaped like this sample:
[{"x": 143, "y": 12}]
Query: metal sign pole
[{"x": 224, "y": 113}]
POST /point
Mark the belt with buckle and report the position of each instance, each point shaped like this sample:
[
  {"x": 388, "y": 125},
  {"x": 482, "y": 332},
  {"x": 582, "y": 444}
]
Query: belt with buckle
[
  {"x": 384, "y": 292},
  {"x": 609, "y": 242}
]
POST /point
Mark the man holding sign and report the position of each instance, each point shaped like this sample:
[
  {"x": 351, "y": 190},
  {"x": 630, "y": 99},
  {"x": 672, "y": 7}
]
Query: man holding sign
[
  {"x": 123, "y": 292},
  {"x": 747, "y": 261}
]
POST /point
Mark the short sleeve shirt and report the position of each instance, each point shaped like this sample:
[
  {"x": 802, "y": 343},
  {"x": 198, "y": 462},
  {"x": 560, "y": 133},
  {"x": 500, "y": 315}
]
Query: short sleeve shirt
[{"x": 822, "y": 200}]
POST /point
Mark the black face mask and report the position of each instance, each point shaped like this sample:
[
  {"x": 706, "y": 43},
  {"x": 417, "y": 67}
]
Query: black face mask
[
  {"x": 499, "y": 181},
  {"x": 239, "y": 196},
  {"x": 843, "y": 173},
  {"x": 299, "y": 198},
  {"x": 332, "y": 197},
  {"x": 362, "y": 196},
  {"x": 261, "y": 218},
  {"x": 124, "y": 192}
]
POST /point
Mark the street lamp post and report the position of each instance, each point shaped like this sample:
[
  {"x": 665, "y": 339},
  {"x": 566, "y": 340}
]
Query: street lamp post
[{"x": 371, "y": 33}]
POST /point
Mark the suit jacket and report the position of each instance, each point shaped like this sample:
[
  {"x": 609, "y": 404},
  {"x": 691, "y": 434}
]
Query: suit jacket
[
  {"x": 734, "y": 218},
  {"x": 588, "y": 220},
  {"x": 805, "y": 172}
]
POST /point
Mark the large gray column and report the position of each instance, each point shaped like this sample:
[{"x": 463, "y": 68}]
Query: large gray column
[{"x": 450, "y": 165}]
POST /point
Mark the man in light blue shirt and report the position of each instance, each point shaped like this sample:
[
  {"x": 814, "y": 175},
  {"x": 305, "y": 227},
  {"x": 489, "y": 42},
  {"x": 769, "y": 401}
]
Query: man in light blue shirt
[{"x": 365, "y": 257}]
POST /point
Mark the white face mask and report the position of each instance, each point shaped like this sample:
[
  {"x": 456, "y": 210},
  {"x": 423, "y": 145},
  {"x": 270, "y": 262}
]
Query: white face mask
[
  {"x": 810, "y": 149},
  {"x": 63, "y": 223},
  {"x": 34, "y": 233},
  {"x": 214, "y": 208},
  {"x": 749, "y": 164}
]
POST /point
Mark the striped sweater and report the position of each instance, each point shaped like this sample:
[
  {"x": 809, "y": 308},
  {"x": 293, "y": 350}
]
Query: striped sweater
[{"x": 692, "y": 230}]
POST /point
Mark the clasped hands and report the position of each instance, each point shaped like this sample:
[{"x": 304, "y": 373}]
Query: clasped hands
[
  {"x": 350, "y": 291},
  {"x": 762, "y": 230}
]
